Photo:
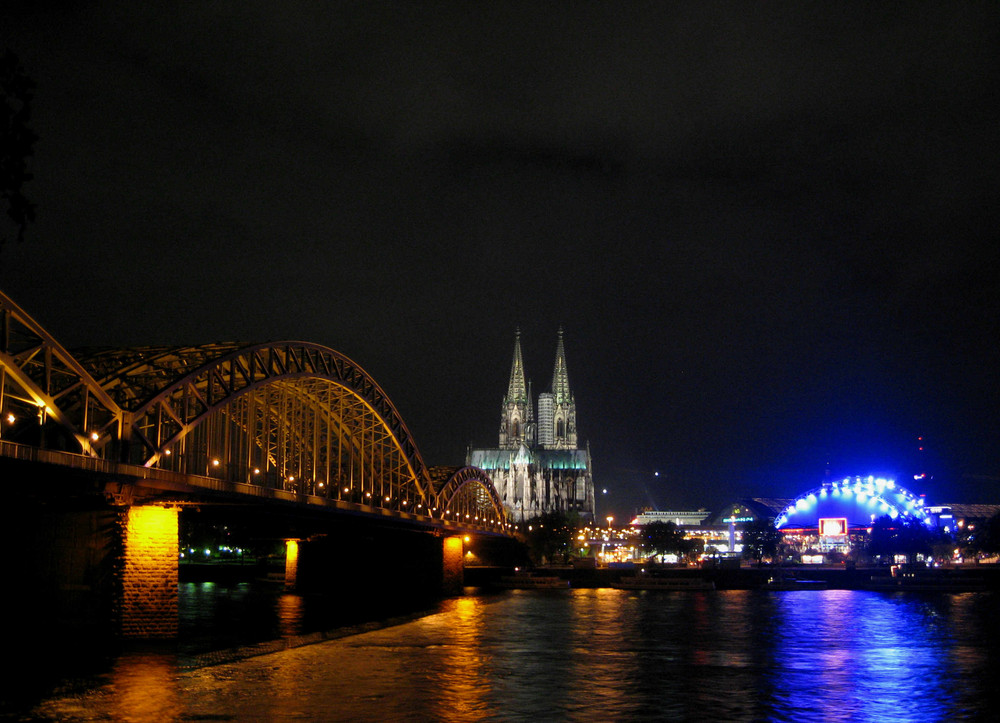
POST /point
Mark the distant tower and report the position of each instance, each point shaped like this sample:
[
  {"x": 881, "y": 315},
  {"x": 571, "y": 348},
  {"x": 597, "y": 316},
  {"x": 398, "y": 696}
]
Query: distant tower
[
  {"x": 516, "y": 419},
  {"x": 537, "y": 466},
  {"x": 563, "y": 433}
]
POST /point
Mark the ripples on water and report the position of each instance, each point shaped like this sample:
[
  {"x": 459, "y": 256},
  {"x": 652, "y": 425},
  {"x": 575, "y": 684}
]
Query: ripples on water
[{"x": 599, "y": 655}]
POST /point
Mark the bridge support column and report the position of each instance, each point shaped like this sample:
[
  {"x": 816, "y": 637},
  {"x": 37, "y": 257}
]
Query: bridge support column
[
  {"x": 453, "y": 572},
  {"x": 149, "y": 583},
  {"x": 291, "y": 564}
]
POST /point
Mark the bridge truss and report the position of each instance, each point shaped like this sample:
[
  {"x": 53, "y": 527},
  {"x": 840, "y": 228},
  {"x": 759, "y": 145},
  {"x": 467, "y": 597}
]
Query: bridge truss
[{"x": 293, "y": 416}]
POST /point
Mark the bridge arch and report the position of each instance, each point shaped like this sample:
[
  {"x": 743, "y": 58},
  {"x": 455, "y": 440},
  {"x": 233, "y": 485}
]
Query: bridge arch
[
  {"x": 466, "y": 495},
  {"x": 293, "y": 415}
]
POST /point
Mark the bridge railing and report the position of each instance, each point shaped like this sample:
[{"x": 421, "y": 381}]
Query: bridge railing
[{"x": 169, "y": 482}]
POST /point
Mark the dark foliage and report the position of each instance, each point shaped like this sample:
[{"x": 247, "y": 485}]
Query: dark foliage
[
  {"x": 760, "y": 539},
  {"x": 16, "y": 141},
  {"x": 663, "y": 538},
  {"x": 548, "y": 536},
  {"x": 902, "y": 536},
  {"x": 987, "y": 537}
]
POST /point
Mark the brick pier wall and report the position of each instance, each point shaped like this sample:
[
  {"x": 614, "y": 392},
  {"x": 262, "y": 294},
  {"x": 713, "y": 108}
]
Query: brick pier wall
[
  {"x": 453, "y": 570},
  {"x": 149, "y": 584}
]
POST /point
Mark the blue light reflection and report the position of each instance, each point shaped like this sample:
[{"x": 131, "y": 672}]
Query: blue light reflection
[{"x": 864, "y": 656}]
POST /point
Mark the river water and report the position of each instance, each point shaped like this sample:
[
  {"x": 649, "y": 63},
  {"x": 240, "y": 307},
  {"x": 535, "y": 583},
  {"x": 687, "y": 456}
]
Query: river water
[{"x": 572, "y": 655}]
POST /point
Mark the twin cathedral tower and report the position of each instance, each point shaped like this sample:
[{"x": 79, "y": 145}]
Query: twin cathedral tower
[{"x": 538, "y": 465}]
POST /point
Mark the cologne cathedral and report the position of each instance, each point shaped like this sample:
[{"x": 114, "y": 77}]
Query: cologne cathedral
[{"x": 538, "y": 466}]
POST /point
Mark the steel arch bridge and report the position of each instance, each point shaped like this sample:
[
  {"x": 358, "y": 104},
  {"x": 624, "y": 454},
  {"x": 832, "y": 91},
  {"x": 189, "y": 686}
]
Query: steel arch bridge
[{"x": 290, "y": 416}]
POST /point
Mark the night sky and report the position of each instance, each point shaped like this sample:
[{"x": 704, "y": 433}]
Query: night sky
[{"x": 769, "y": 230}]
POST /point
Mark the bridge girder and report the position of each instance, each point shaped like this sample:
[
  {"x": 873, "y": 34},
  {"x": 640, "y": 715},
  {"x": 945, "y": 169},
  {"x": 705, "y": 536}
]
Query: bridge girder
[{"x": 38, "y": 376}]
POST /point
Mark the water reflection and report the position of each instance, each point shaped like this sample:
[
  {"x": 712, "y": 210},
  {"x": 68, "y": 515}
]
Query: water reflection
[
  {"x": 291, "y": 610},
  {"x": 597, "y": 655},
  {"x": 866, "y": 656},
  {"x": 464, "y": 675},
  {"x": 144, "y": 685}
]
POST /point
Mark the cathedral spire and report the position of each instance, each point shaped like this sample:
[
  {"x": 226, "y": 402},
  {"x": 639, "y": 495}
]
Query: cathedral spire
[
  {"x": 517, "y": 390},
  {"x": 560, "y": 379},
  {"x": 516, "y": 421}
]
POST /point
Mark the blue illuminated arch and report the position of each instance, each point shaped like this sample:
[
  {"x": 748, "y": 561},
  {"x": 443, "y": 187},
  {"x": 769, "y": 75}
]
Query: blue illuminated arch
[{"x": 860, "y": 501}]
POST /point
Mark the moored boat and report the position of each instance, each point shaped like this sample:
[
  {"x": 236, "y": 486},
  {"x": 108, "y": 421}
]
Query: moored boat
[
  {"x": 794, "y": 583},
  {"x": 927, "y": 582},
  {"x": 649, "y": 582},
  {"x": 527, "y": 581}
]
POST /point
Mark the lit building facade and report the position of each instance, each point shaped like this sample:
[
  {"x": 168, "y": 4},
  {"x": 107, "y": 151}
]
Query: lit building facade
[
  {"x": 681, "y": 518},
  {"x": 538, "y": 465}
]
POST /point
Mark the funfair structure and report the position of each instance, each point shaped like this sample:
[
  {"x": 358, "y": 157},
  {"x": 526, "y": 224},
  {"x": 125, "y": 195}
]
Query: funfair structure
[{"x": 836, "y": 507}]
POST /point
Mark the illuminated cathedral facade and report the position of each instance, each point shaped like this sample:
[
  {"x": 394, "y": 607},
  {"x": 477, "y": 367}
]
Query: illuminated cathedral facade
[{"x": 539, "y": 466}]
